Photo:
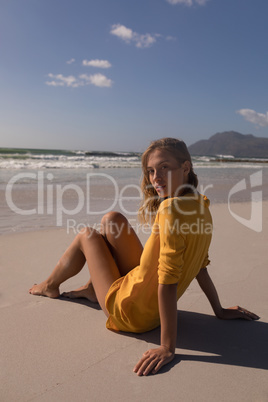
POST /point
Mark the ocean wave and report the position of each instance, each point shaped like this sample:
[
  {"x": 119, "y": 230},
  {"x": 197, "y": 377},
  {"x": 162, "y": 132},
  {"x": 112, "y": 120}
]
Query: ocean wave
[
  {"x": 65, "y": 164},
  {"x": 230, "y": 166},
  {"x": 16, "y": 159},
  {"x": 56, "y": 159}
]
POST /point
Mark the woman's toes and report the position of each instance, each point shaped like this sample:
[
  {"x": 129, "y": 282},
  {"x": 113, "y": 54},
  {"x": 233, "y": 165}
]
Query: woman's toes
[{"x": 44, "y": 290}]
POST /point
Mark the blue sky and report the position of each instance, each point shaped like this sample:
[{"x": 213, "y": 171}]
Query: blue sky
[{"x": 116, "y": 74}]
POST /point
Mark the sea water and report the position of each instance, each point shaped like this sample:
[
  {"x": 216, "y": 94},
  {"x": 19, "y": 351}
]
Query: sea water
[{"x": 51, "y": 188}]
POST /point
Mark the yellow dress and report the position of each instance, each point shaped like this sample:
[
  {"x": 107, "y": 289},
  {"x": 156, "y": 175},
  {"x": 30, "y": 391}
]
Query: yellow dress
[{"x": 174, "y": 253}]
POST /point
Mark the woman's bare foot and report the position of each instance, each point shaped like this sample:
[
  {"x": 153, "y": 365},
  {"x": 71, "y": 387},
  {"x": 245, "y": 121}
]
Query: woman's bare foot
[
  {"x": 44, "y": 290},
  {"x": 86, "y": 292}
]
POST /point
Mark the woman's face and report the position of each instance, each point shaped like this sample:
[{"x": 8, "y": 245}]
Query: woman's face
[{"x": 165, "y": 173}]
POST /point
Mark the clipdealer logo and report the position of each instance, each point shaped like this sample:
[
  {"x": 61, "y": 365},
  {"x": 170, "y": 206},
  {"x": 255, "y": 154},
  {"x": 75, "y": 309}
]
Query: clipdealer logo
[
  {"x": 255, "y": 220},
  {"x": 50, "y": 197}
]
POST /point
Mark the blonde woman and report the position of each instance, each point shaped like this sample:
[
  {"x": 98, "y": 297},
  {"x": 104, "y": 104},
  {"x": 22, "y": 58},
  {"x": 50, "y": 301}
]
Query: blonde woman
[{"x": 138, "y": 288}]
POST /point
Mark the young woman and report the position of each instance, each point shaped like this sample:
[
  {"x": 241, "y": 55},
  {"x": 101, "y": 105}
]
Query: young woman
[{"x": 138, "y": 289}]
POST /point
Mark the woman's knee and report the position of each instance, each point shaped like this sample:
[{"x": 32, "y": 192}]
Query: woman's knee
[
  {"x": 113, "y": 223},
  {"x": 87, "y": 233},
  {"x": 113, "y": 216}
]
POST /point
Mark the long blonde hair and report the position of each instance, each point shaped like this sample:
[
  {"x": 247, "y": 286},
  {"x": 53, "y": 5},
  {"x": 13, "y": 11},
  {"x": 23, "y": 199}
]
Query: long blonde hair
[{"x": 151, "y": 200}]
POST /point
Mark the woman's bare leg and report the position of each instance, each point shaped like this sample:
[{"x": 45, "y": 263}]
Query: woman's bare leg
[
  {"x": 102, "y": 267},
  {"x": 69, "y": 265},
  {"x": 88, "y": 245},
  {"x": 122, "y": 241},
  {"x": 93, "y": 247},
  {"x": 124, "y": 246}
]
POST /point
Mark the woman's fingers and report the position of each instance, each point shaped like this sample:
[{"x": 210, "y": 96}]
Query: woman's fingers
[
  {"x": 145, "y": 364},
  {"x": 248, "y": 315},
  {"x": 153, "y": 360},
  {"x": 148, "y": 365},
  {"x": 245, "y": 314}
]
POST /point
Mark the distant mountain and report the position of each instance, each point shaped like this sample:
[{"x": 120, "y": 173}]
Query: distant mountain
[{"x": 232, "y": 143}]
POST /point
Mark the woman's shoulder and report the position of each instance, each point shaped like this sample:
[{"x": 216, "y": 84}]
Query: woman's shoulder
[{"x": 187, "y": 202}]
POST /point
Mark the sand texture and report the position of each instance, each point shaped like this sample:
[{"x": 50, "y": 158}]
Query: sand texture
[{"x": 60, "y": 350}]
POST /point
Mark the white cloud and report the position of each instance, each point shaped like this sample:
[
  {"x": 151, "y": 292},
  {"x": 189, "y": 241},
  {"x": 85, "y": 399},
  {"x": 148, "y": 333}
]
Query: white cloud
[
  {"x": 188, "y": 3},
  {"x": 70, "y": 61},
  {"x": 129, "y": 36},
  {"x": 122, "y": 32},
  {"x": 97, "y": 63},
  {"x": 61, "y": 81},
  {"x": 143, "y": 41},
  {"x": 99, "y": 80},
  {"x": 261, "y": 119}
]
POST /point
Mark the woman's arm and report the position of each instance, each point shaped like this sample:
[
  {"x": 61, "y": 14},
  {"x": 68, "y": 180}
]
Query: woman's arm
[
  {"x": 167, "y": 300},
  {"x": 154, "y": 359},
  {"x": 210, "y": 291}
]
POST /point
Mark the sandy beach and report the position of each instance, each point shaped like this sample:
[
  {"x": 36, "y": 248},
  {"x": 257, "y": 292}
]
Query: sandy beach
[{"x": 60, "y": 349}]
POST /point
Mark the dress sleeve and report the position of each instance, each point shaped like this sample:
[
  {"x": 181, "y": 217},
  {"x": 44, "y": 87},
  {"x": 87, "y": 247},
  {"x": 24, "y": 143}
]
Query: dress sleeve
[{"x": 172, "y": 247}]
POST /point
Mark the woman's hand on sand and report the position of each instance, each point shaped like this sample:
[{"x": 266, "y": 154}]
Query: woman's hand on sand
[
  {"x": 235, "y": 312},
  {"x": 153, "y": 360}
]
